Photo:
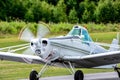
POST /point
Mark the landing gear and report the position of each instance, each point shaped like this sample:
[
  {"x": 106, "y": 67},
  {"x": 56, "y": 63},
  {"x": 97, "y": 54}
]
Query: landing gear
[
  {"x": 33, "y": 75},
  {"x": 78, "y": 75},
  {"x": 117, "y": 70}
]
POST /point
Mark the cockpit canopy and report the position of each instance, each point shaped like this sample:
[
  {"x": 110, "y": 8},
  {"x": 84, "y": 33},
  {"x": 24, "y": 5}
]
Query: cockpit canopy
[{"x": 81, "y": 32}]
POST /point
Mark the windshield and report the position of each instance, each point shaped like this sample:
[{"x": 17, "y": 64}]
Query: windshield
[
  {"x": 75, "y": 31},
  {"x": 86, "y": 35},
  {"x": 80, "y": 31}
]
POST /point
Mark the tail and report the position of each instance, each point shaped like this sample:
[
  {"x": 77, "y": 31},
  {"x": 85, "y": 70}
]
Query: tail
[
  {"x": 115, "y": 44},
  {"x": 118, "y": 38}
]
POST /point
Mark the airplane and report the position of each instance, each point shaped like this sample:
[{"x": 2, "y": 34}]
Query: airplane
[{"x": 74, "y": 50}]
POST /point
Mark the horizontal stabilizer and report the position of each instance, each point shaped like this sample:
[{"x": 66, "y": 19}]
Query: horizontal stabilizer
[{"x": 114, "y": 45}]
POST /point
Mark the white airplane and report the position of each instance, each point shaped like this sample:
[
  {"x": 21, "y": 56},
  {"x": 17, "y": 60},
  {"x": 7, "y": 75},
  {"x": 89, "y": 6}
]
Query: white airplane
[{"x": 74, "y": 50}]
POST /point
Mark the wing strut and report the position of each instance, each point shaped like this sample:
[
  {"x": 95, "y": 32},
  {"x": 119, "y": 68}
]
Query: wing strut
[{"x": 71, "y": 69}]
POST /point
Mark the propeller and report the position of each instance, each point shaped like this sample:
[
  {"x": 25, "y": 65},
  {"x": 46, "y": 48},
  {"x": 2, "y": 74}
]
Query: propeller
[
  {"x": 28, "y": 51},
  {"x": 28, "y": 36},
  {"x": 42, "y": 30}
]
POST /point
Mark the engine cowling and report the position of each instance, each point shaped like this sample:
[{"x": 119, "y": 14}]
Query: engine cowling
[
  {"x": 36, "y": 46},
  {"x": 43, "y": 49},
  {"x": 47, "y": 51}
]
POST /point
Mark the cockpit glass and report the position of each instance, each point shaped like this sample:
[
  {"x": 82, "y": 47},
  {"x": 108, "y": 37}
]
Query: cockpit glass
[
  {"x": 75, "y": 31},
  {"x": 80, "y": 31},
  {"x": 86, "y": 35}
]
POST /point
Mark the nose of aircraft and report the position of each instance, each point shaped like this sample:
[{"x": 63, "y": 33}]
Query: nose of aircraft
[{"x": 38, "y": 51}]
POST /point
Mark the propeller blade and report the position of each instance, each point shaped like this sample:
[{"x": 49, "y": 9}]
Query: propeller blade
[
  {"x": 28, "y": 51},
  {"x": 42, "y": 31},
  {"x": 26, "y": 35}
]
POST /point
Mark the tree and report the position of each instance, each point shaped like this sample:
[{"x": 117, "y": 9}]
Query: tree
[
  {"x": 54, "y": 2},
  {"x": 39, "y": 11},
  {"x": 116, "y": 6},
  {"x": 70, "y": 4},
  {"x": 73, "y": 16},
  {"x": 88, "y": 14},
  {"x": 59, "y": 12},
  {"x": 3, "y": 14},
  {"x": 105, "y": 11},
  {"x": 16, "y": 9},
  {"x": 12, "y": 9},
  {"x": 29, "y": 16},
  {"x": 46, "y": 11},
  {"x": 81, "y": 10}
]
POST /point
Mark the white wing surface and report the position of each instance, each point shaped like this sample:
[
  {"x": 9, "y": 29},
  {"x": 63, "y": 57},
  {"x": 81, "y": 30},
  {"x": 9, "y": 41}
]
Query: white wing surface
[
  {"x": 21, "y": 58},
  {"x": 95, "y": 60}
]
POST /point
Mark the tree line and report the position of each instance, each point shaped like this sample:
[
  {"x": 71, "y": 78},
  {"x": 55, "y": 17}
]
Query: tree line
[{"x": 72, "y": 11}]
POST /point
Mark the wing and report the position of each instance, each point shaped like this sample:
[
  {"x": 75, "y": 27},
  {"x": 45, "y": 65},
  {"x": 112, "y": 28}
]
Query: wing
[
  {"x": 95, "y": 60},
  {"x": 21, "y": 58}
]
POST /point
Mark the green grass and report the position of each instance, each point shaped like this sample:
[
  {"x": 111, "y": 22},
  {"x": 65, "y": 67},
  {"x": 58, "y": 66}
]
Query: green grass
[
  {"x": 15, "y": 70},
  {"x": 104, "y": 37}
]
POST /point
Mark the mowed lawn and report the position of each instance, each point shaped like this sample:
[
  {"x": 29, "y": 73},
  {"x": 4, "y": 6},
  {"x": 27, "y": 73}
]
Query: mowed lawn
[{"x": 15, "y": 70}]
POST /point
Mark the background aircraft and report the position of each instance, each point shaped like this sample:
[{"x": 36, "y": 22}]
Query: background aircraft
[{"x": 74, "y": 50}]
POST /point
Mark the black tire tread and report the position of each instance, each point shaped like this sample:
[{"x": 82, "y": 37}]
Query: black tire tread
[
  {"x": 33, "y": 75},
  {"x": 78, "y": 75}
]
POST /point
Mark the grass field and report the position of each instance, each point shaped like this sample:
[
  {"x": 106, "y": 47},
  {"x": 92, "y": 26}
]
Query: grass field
[{"x": 14, "y": 70}]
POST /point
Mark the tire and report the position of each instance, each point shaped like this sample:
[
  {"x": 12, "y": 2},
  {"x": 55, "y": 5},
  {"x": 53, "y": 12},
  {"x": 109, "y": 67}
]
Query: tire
[
  {"x": 33, "y": 75},
  {"x": 78, "y": 75}
]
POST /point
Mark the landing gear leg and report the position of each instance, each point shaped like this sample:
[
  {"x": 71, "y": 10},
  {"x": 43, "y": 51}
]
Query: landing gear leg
[
  {"x": 35, "y": 76},
  {"x": 117, "y": 70},
  {"x": 78, "y": 75},
  {"x": 70, "y": 68}
]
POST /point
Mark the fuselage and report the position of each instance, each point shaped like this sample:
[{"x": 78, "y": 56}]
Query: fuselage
[
  {"x": 74, "y": 46},
  {"x": 76, "y": 43}
]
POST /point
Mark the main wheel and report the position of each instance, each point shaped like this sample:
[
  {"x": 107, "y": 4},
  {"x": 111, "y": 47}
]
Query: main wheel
[
  {"x": 78, "y": 75},
  {"x": 33, "y": 75}
]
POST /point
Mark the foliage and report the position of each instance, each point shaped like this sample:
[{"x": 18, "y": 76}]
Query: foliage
[
  {"x": 54, "y": 2},
  {"x": 106, "y": 11},
  {"x": 98, "y": 11},
  {"x": 116, "y": 6},
  {"x": 88, "y": 14},
  {"x": 12, "y": 9},
  {"x": 59, "y": 14},
  {"x": 73, "y": 16},
  {"x": 14, "y": 27},
  {"x": 60, "y": 28}
]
